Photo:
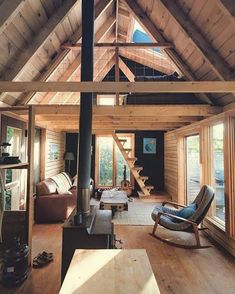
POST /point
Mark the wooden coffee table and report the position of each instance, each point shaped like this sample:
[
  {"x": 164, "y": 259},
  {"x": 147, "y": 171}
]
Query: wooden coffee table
[
  {"x": 111, "y": 271},
  {"x": 114, "y": 200}
]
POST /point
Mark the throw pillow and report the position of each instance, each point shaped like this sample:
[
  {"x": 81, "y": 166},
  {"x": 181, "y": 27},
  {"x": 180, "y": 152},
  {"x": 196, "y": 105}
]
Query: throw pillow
[
  {"x": 75, "y": 181},
  {"x": 187, "y": 211},
  {"x": 63, "y": 191}
]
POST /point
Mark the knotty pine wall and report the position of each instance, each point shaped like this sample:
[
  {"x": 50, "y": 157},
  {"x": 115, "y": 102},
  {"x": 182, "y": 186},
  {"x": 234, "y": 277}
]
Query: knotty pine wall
[
  {"x": 51, "y": 167},
  {"x": 171, "y": 165}
]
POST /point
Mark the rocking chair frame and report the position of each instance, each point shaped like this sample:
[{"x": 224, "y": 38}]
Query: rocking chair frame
[{"x": 194, "y": 227}]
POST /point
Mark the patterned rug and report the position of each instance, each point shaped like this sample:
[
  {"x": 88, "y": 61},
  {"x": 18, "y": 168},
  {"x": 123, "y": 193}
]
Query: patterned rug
[{"x": 138, "y": 214}]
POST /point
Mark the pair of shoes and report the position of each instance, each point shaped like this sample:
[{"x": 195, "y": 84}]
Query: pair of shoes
[{"x": 42, "y": 259}]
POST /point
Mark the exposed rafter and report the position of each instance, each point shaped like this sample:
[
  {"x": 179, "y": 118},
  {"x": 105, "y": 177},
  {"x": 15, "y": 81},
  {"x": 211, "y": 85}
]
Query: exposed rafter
[
  {"x": 207, "y": 51},
  {"x": 75, "y": 66},
  {"x": 99, "y": 10},
  {"x": 125, "y": 69},
  {"x": 8, "y": 10},
  {"x": 150, "y": 59},
  {"x": 150, "y": 27},
  {"x": 39, "y": 40},
  {"x": 228, "y": 7},
  {"x": 121, "y": 87}
]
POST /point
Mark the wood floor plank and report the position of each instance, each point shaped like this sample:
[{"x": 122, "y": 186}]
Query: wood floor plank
[{"x": 177, "y": 270}]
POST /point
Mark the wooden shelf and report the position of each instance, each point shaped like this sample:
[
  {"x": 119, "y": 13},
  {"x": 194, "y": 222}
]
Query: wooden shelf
[{"x": 14, "y": 166}]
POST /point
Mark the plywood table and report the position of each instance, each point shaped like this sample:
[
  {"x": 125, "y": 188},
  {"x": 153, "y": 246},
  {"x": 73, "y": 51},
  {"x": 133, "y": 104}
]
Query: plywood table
[
  {"x": 114, "y": 200},
  {"x": 108, "y": 271}
]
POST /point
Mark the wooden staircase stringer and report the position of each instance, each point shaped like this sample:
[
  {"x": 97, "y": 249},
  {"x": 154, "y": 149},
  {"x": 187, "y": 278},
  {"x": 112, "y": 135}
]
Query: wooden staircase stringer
[{"x": 135, "y": 170}]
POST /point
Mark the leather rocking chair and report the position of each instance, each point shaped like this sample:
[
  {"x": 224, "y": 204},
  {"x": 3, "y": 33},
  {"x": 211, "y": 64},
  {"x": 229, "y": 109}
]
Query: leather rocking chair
[{"x": 169, "y": 219}]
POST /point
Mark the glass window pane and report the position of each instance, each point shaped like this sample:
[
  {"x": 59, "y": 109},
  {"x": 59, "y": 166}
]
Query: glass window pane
[
  {"x": 193, "y": 167},
  {"x": 218, "y": 169},
  {"x": 15, "y": 179},
  {"x": 105, "y": 161}
]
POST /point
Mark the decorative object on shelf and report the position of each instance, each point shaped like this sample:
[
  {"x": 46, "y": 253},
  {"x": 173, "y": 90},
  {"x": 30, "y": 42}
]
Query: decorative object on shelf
[
  {"x": 5, "y": 149},
  {"x": 149, "y": 146},
  {"x": 70, "y": 157},
  {"x": 53, "y": 151}
]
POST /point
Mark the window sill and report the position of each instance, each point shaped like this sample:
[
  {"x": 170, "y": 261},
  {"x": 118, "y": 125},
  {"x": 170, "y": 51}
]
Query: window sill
[{"x": 216, "y": 223}]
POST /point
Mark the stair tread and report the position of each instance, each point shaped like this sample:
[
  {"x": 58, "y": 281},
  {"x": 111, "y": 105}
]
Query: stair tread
[
  {"x": 127, "y": 149},
  {"x": 137, "y": 167},
  {"x": 122, "y": 140},
  {"x": 141, "y": 194},
  {"x": 144, "y": 177},
  {"x": 149, "y": 187}
]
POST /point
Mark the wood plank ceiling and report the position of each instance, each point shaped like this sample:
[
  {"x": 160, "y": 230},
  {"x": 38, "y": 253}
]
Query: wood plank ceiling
[{"x": 33, "y": 32}]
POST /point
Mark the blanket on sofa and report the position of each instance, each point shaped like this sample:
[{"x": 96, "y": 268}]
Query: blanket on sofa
[{"x": 62, "y": 180}]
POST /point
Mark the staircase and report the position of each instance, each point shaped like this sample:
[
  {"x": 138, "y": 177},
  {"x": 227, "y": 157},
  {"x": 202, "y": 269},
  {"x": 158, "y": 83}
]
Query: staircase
[{"x": 135, "y": 170}]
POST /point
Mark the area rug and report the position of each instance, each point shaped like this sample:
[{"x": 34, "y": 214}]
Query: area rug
[{"x": 138, "y": 214}]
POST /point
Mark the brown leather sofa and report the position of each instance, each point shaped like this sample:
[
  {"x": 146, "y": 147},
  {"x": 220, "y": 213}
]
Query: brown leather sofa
[{"x": 55, "y": 199}]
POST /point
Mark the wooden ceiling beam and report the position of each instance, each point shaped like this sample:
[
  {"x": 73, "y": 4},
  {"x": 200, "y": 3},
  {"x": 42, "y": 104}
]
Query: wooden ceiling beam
[
  {"x": 99, "y": 10},
  {"x": 100, "y": 119},
  {"x": 150, "y": 27},
  {"x": 8, "y": 10},
  {"x": 215, "y": 61},
  {"x": 118, "y": 44},
  {"x": 129, "y": 110},
  {"x": 121, "y": 87},
  {"x": 110, "y": 129}
]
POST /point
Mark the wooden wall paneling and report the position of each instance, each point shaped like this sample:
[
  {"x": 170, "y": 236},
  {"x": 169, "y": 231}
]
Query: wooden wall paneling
[
  {"x": 15, "y": 37},
  {"x": 67, "y": 27},
  {"x": 43, "y": 155},
  {"x": 171, "y": 165},
  {"x": 39, "y": 11},
  {"x": 53, "y": 167},
  {"x": 60, "y": 32},
  {"x": 39, "y": 40},
  {"x": 213, "y": 58},
  {"x": 23, "y": 27},
  {"x": 48, "y": 6},
  {"x": 196, "y": 8},
  {"x": 208, "y": 16},
  {"x": 228, "y": 47},
  {"x": 225, "y": 99},
  {"x": 227, "y": 6},
  {"x": 8, "y": 10},
  {"x": 31, "y": 18},
  {"x": 210, "y": 76},
  {"x": 8, "y": 52}
]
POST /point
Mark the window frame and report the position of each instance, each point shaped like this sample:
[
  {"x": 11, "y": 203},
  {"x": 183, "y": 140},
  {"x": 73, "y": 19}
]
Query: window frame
[{"x": 131, "y": 135}]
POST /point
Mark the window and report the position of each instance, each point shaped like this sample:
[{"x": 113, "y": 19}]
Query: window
[
  {"x": 110, "y": 161},
  {"x": 217, "y": 171},
  {"x": 15, "y": 179},
  {"x": 192, "y": 167},
  {"x": 106, "y": 100}
]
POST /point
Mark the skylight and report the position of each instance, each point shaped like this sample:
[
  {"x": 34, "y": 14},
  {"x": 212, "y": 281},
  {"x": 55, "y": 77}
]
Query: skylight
[{"x": 140, "y": 36}]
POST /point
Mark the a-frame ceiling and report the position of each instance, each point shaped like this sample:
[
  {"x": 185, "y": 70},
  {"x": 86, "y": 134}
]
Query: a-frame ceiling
[{"x": 33, "y": 32}]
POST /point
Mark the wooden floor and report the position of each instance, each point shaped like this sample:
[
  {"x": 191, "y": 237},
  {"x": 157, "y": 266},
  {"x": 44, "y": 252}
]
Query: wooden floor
[{"x": 176, "y": 270}]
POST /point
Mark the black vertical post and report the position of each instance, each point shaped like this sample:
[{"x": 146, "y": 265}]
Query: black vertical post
[{"x": 85, "y": 123}]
